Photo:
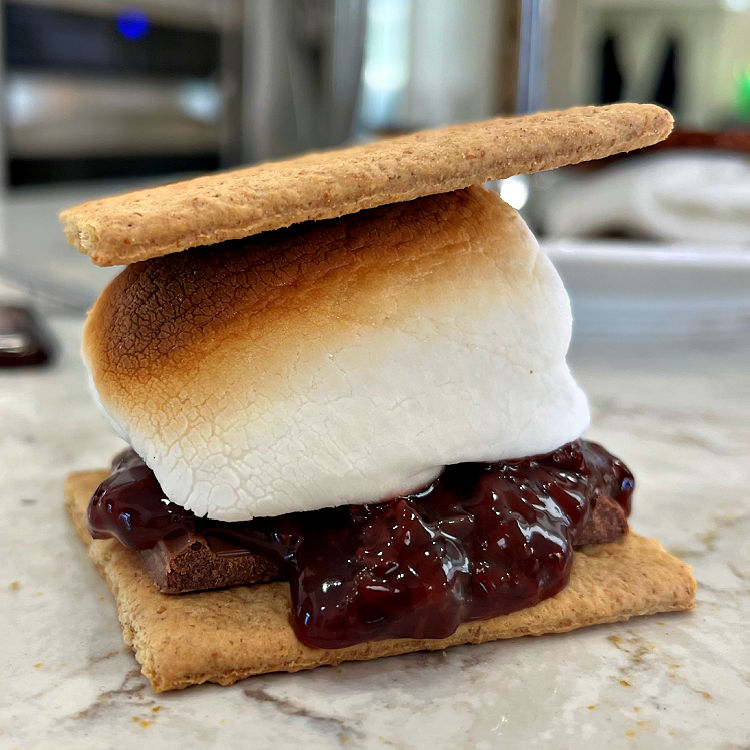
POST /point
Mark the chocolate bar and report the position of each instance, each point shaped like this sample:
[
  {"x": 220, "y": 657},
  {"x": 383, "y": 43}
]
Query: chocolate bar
[
  {"x": 23, "y": 339},
  {"x": 194, "y": 563}
]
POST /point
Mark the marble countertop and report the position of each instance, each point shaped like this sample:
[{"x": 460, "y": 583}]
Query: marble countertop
[{"x": 679, "y": 414}]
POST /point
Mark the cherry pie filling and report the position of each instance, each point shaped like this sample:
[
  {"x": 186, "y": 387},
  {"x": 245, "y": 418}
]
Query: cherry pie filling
[{"x": 483, "y": 539}]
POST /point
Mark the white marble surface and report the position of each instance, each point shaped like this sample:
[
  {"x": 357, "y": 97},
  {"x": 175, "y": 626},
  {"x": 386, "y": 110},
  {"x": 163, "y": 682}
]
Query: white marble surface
[{"x": 678, "y": 414}]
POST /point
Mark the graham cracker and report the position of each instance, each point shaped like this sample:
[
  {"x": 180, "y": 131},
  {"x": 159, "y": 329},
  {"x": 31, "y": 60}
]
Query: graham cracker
[
  {"x": 226, "y": 635},
  {"x": 229, "y": 205}
]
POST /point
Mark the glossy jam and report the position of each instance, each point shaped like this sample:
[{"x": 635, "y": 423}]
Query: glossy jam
[{"x": 480, "y": 541}]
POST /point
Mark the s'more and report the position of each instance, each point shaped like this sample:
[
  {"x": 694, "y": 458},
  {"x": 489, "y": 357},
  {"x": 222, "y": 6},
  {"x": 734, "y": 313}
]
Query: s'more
[{"x": 352, "y": 431}]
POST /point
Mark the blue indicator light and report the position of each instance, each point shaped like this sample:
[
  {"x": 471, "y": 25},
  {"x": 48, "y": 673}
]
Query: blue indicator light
[{"x": 132, "y": 23}]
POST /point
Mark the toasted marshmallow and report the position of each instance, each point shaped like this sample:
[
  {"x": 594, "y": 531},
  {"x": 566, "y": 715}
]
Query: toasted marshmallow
[{"x": 345, "y": 361}]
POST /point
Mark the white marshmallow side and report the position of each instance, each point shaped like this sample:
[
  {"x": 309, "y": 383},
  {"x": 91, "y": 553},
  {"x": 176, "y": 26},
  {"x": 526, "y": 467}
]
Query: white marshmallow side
[{"x": 384, "y": 414}]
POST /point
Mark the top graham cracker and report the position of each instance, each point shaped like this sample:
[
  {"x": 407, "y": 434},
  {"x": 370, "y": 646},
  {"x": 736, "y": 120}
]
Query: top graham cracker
[{"x": 229, "y": 205}]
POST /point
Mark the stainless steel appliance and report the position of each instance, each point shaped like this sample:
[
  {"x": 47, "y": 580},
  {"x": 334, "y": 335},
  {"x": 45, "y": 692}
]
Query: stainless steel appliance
[{"x": 96, "y": 88}]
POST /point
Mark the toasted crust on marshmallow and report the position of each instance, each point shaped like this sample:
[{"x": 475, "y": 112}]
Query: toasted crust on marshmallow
[{"x": 342, "y": 361}]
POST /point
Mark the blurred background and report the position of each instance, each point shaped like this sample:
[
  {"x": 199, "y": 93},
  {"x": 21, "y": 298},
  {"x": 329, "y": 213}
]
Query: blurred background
[{"x": 100, "y": 96}]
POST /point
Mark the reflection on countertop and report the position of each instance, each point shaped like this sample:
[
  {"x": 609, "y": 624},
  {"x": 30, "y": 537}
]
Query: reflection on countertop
[{"x": 679, "y": 415}]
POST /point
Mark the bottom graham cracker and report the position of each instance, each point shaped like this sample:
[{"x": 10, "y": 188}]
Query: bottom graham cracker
[{"x": 228, "y": 634}]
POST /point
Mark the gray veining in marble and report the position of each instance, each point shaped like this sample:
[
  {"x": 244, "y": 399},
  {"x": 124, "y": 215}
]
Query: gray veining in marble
[{"x": 678, "y": 414}]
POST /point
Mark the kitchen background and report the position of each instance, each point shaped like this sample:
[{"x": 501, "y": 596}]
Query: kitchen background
[{"x": 98, "y": 96}]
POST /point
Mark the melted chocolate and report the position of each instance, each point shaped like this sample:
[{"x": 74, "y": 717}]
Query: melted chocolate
[{"x": 480, "y": 541}]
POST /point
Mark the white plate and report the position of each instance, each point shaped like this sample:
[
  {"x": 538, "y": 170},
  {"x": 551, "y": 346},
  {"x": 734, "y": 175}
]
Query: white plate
[{"x": 647, "y": 290}]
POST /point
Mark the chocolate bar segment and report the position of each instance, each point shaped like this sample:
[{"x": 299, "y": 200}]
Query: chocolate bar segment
[
  {"x": 607, "y": 522},
  {"x": 23, "y": 339},
  {"x": 194, "y": 562}
]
